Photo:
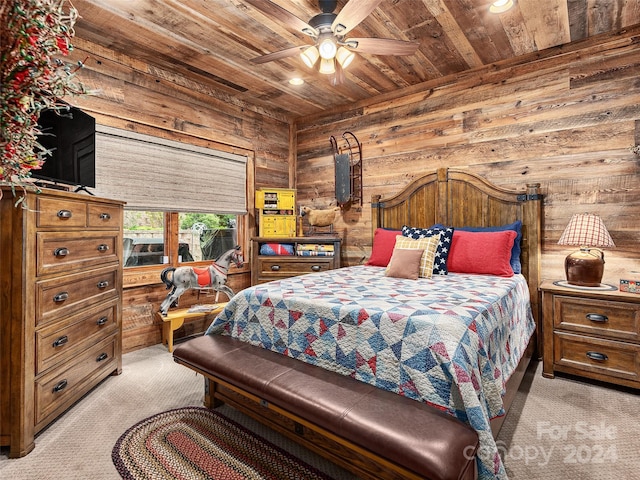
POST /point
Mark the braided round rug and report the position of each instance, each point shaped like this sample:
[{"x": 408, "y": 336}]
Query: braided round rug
[{"x": 196, "y": 443}]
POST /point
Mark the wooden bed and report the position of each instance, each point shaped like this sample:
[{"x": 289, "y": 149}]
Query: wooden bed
[
  {"x": 458, "y": 198},
  {"x": 450, "y": 197}
]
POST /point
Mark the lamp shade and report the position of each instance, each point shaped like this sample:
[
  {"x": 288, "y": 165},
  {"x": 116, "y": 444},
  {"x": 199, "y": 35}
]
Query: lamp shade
[
  {"x": 327, "y": 66},
  {"x": 344, "y": 57},
  {"x": 310, "y": 56},
  {"x": 587, "y": 230},
  {"x": 585, "y": 267}
]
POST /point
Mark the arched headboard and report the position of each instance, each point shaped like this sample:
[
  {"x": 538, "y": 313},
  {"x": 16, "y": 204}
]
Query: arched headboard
[{"x": 458, "y": 198}]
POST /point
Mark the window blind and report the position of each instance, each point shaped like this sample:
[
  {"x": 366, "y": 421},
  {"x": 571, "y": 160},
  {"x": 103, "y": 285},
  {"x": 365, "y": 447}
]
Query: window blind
[{"x": 151, "y": 173}]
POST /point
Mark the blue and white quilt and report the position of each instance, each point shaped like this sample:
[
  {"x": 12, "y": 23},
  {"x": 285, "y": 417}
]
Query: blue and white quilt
[{"x": 450, "y": 341}]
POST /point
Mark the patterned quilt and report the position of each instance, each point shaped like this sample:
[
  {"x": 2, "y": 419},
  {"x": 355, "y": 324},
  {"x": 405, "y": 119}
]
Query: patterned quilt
[{"x": 450, "y": 341}]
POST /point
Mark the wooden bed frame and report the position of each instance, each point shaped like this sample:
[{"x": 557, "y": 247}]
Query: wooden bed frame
[
  {"x": 447, "y": 196},
  {"x": 458, "y": 198}
]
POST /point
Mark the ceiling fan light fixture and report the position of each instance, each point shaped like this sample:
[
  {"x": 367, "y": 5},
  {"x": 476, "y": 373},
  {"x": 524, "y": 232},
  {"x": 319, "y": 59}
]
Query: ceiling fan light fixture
[
  {"x": 327, "y": 66},
  {"x": 344, "y": 57},
  {"x": 310, "y": 56},
  {"x": 500, "y": 6},
  {"x": 327, "y": 48}
]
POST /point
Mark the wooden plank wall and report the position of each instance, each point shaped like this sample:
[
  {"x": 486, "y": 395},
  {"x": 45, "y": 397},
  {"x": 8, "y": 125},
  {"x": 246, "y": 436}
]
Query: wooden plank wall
[
  {"x": 564, "y": 118},
  {"x": 132, "y": 95}
]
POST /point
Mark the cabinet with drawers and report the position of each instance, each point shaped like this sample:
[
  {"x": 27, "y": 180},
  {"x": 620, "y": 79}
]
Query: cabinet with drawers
[
  {"x": 591, "y": 333},
  {"x": 265, "y": 268},
  {"x": 60, "y": 306}
]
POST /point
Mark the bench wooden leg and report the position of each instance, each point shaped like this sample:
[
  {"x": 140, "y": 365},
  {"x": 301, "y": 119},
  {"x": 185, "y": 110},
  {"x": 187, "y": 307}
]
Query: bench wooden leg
[{"x": 168, "y": 327}]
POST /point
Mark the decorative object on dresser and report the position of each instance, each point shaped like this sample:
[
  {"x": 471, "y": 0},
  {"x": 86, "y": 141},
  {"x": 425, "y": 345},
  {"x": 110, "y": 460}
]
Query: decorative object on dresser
[
  {"x": 60, "y": 309},
  {"x": 319, "y": 218},
  {"x": 213, "y": 277},
  {"x": 591, "y": 333},
  {"x": 312, "y": 254},
  {"x": 585, "y": 266},
  {"x": 276, "y": 212}
]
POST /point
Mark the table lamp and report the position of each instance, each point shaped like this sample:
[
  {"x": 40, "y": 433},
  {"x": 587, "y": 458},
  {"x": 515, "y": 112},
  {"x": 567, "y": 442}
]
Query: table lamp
[{"x": 585, "y": 267}]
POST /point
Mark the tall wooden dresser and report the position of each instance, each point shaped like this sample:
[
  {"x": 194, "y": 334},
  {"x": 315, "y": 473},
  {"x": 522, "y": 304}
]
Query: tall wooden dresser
[{"x": 60, "y": 307}]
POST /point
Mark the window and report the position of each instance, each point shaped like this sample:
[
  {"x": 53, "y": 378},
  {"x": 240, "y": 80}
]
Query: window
[
  {"x": 200, "y": 237},
  {"x": 143, "y": 238},
  {"x": 205, "y": 236}
]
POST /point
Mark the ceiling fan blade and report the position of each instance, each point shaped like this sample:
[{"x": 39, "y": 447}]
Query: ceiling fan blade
[
  {"x": 352, "y": 14},
  {"x": 382, "y": 46},
  {"x": 285, "y": 17},
  {"x": 269, "y": 57}
]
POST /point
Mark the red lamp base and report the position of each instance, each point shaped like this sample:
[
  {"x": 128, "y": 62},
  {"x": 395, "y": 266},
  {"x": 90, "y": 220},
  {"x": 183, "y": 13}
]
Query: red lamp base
[{"x": 585, "y": 267}]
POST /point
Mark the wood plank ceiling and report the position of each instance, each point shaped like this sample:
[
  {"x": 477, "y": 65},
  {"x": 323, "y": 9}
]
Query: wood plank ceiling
[{"x": 211, "y": 42}]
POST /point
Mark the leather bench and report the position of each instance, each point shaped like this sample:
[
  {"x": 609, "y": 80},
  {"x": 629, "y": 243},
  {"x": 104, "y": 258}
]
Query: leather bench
[{"x": 375, "y": 433}]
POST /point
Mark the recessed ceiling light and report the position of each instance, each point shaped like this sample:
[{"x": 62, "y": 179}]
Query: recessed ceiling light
[
  {"x": 296, "y": 81},
  {"x": 500, "y": 6}
]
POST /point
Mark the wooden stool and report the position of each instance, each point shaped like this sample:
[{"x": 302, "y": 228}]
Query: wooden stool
[{"x": 174, "y": 319}]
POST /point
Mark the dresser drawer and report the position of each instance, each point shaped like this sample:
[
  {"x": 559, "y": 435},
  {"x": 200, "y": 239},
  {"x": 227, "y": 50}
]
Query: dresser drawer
[
  {"x": 60, "y": 212},
  {"x": 605, "y": 357},
  {"x": 290, "y": 266},
  {"x": 63, "y": 252},
  {"x": 104, "y": 216},
  {"x": 65, "y": 339},
  {"x": 612, "y": 319},
  {"x": 59, "y": 389},
  {"x": 66, "y": 295}
]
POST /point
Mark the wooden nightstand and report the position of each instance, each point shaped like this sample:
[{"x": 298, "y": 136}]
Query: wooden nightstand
[
  {"x": 265, "y": 268},
  {"x": 591, "y": 333}
]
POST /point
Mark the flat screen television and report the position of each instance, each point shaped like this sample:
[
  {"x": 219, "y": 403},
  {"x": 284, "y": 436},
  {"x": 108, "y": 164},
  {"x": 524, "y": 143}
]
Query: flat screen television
[{"x": 70, "y": 135}]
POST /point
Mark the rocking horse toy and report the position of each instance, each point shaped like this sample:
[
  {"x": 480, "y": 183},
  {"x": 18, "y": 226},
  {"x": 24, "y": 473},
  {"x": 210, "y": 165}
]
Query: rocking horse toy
[{"x": 213, "y": 277}]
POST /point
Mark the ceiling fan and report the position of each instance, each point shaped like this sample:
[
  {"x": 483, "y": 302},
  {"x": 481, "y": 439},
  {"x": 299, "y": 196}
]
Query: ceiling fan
[{"x": 331, "y": 49}]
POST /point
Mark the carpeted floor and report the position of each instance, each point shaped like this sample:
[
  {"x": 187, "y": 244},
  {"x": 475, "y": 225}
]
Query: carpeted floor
[{"x": 561, "y": 429}]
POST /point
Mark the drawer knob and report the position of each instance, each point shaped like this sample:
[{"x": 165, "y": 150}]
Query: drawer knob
[
  {"x": 61, "y": 252},
  {"x": 105, "y": 216},
  {"x": 102, "y": 320},
  {"x": 315, "y": 268},
  {"x": 597, "y": 317},
  {"x": 60, "y": 297},
  {"x": 103, "y": 356},
  {"x": 600, "y": 357},
  {"x": 60, "y": 341},
  {"x": 275, "y": 268},
  {"x": 103, "y": 284},
  {"x": 60, "y": 386},
  {"x": 103, "y": 248},
  {"x": 64, "y": 214}
]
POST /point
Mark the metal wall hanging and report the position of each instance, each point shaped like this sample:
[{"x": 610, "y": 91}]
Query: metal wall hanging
[{"x": 348, "y": 170}]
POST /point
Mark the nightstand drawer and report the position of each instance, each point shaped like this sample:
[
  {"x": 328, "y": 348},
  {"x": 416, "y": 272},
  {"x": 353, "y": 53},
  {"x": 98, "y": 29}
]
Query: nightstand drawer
[
  {"x": 594, "y": 355},
  {"x": 613, "y": 319}
]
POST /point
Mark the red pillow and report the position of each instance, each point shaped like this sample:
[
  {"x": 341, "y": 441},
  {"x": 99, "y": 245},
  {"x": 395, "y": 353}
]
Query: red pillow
[
  {"x": 481, "y": 252},
  {"x": 383, "y": 243}
]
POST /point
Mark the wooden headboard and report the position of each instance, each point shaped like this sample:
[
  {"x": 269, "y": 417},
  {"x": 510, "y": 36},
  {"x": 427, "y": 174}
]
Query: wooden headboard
[{"x": 457, "y": 198}]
